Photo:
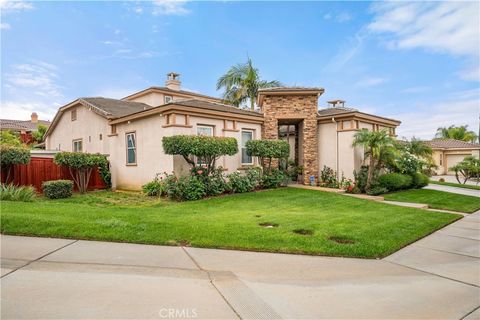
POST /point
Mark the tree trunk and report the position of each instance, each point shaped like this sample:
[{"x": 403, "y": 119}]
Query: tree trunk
[{"x": 370, "y": 173}]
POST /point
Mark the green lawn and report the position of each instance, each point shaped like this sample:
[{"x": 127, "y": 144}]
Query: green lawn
[
  {"x": 327, "y": 224},
  {"x": 458, "y": 185},
  {"x": 437, "y": 199}
]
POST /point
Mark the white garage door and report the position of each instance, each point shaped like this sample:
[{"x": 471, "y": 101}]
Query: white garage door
[{"x": 453, "y": 159}]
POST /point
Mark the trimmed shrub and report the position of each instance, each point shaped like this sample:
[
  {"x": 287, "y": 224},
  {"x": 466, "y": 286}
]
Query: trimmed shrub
[
  {"x": 272, "y": 179},
  {"x": 377, "y": 190},
  {"x": 200, "y": 150},
  {"x": 9, "y": 192},
  {"x": 267, "y": 150},
  {"x": 441, "y": 180},
  {"x": 80, "y": 166},
  {"x": 11, "y": 155},
  {"x": 57, "y": 189},
  {"x": 395, "y": 181},
  {"x": 153, "y": 188},
  {"x": 419, "y": 180}
]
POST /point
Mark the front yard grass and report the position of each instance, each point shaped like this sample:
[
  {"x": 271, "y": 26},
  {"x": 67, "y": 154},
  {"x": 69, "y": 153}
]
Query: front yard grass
[
  {"x": 287, "y": 220},
  {"x": 457, "y": 185},
  {"x": 437, "y": 199}
]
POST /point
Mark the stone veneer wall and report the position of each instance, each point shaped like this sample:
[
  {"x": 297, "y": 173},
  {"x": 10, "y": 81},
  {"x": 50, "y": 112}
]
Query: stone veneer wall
[{"x": 280, "y": 107}]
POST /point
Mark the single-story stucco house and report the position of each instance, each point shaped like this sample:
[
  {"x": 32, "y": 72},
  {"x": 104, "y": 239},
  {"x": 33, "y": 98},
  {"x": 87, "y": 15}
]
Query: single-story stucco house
[
  {"x": 130, "y": 130},
  {"x": 448, "y": 152},
  {"x": 24, "y": 128}
]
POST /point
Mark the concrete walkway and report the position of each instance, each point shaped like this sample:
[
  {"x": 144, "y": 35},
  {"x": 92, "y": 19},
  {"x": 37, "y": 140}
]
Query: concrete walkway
[
  {"x": 467, "y": 192},
  {"x": 452, "y": 179},
  {"x": 437, "y": 277}
]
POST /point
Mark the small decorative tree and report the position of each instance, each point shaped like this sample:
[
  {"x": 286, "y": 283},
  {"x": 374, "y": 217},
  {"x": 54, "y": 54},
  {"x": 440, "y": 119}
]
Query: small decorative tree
[
  {"x": 200, "y": 150},
  {"x": 468, "y": 168},
  {"x": 267, "y": 150},
  {"x": 80, "y": 166},
  {"x": 9, "y": 156}
]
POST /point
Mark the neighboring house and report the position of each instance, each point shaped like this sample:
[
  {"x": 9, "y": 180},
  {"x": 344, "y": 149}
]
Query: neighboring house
[
  {"x": 448, "y": 152},
  {"x": 130, "y": 130},
  {"x": 23, "y": 128}
]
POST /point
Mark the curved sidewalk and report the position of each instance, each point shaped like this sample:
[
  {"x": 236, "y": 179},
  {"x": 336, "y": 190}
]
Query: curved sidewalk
[{"x": 437, "y": 277}]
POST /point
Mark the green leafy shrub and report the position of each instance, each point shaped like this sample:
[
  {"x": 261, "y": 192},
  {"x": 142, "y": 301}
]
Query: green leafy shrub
[
  {"x": 377, "y": 190},
  {"x": 328, "y": 178},
  {"x": 10, "y": 156},
  {"x": 57, "y": 189},
  {"x": 200, "y": 150},
  {"x": 154, "y": 188},
  {"x": 238, "y": 183},
  {"x": 267, "y": 150},
  {"x": 186, "y": 188},
  {"x": 395, "y": 181},
  {"x": 441, "y": 180},
  {"x": 215, "y": 183},
  {"x": 419, "y": 180},
  {"x": 9, "y": 192},
  {"x": 272, "y": 179},
  {"x": 80, "y": 166},
  {"x": 361, "y": 177},
  {"x": 408, "y": 163}
]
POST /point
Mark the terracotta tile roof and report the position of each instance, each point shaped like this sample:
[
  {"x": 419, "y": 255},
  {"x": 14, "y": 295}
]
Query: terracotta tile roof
[
  {"x": 173, "y": 93},
  {"x": 113, "y": 108},
  {"x": 21, "y": 125},
  {"x": 334, "y": 111},
  {"x": 451, "y": 143},
  {"x": 214, "y": 106}
]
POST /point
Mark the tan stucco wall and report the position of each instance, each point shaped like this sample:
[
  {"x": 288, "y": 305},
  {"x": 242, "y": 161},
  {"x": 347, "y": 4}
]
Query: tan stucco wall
[
  {"x": 327, "y": 145},
  {"x": 451, "y": 158},
  {"x": 150, "y": 157},
  {"x": 88, "y": 127}
]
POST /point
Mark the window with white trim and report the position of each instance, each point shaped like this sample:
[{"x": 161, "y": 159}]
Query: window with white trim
[
  {"x": 247, "y": 135},
  {"x": 205, "y": 131},
  {"x": 77, "y": 145},
  {"x": 131, "y": 144}
]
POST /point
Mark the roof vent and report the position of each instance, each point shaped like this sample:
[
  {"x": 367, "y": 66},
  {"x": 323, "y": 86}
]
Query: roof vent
[
  {"x": 173, "y": 81},
  {"x": 336, "y": 103}
]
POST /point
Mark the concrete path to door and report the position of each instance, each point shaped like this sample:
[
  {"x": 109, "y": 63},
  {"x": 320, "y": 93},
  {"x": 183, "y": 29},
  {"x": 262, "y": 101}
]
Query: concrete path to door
[{"x": 437, "y": 277}]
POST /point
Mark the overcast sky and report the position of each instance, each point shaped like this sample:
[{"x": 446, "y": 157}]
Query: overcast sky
[{"x": 416, "y": 62}]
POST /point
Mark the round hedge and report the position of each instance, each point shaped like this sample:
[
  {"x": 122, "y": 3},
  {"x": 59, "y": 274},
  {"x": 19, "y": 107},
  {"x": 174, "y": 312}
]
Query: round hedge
[{"x": 271, "y": 149}]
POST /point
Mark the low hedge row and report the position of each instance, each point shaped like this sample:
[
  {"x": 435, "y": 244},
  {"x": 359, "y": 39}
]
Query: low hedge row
[{"x": 398, "y": 181}]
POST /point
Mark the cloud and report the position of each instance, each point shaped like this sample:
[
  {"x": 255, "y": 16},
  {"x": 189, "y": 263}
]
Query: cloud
[
  {"x": 371, "y": 81},
  {"x": 170, "y": 7},
  {"x": 31, "y": 87},
  {"x": 347, "y": 51},
  {"x": 12, "y": 6},
  {"x": 441, "y": 27},
  {"x": 340, "y": 17},
  {"x": 4, "y": 26},
  {"x": 424, "y": 122}
]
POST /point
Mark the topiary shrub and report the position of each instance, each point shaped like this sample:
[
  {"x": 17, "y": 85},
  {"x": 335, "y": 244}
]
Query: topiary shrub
[
  {"x": 394, "y": 181},
  {"x": 11, "y": 155},
  {"x": 200, "y": 150},
  {"x": 80, "y": 166},
  {"x": 267, "y": 150},
  {"x": 57, "y": 189},
  {"x": 419, "y": 180}
]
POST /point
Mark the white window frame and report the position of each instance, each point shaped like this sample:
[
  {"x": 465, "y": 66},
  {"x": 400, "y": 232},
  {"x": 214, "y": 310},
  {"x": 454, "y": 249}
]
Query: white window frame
[
  {"x": 242, "y": 146},
  {"x": 169, "y": 98},
  {"x": 204, "y": 126},
  {"x": 134, "y": 148},
  {"x": 75, "y": 142}
]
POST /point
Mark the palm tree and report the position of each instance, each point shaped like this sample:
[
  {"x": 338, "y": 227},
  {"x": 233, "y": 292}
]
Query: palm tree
[
  {"x": 375, "y": 144},
  {"x": 458, "y": 133},
  {"x": 419, "y": 148},
  {"x": 242, "y": 82}
]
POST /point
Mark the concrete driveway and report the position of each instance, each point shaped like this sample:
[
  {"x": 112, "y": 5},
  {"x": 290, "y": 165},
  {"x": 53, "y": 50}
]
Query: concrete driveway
[
  {"x": 464, "y": 191},
  {"x": 437, "y": 277}
]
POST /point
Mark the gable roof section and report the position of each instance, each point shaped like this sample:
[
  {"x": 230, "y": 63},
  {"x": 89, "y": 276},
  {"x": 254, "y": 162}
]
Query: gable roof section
[
  {"x": 451, "y": 144},
  {"x": 105, "y": 107},
  {"x": 170, "y": 91},
  {"x": 21, "y": 125},
  {"x": 196, "y": 106},
  {"x": 336, "y": 112}
]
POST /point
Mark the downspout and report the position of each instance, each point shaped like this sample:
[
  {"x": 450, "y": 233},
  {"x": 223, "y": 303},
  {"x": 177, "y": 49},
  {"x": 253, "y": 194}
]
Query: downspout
[{"x": 336, "y": 146}]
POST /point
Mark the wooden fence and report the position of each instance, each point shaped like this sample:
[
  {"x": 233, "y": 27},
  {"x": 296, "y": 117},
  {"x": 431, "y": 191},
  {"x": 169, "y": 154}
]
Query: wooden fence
[{"x": 41, "y": 169}]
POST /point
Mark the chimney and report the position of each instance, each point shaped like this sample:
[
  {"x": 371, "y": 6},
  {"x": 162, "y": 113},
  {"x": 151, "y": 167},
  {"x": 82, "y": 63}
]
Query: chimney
[
  {"x": 336, "y": 103},
  {"x": 173, "y": 81},
  {"x": 34, "y": 117}
]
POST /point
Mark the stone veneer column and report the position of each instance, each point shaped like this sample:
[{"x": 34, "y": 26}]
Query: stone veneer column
[{"x": 296, "y": 107}]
